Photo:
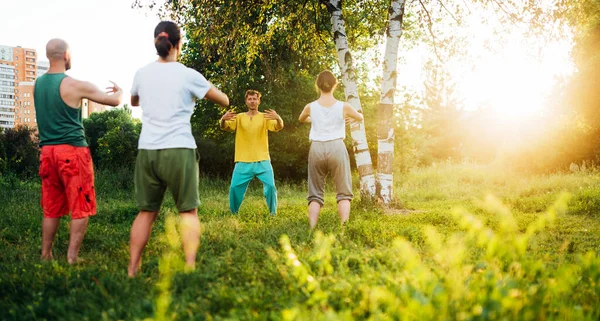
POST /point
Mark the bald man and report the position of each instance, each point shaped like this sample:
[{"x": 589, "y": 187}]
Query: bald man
[{"x": 66, "y": 165}]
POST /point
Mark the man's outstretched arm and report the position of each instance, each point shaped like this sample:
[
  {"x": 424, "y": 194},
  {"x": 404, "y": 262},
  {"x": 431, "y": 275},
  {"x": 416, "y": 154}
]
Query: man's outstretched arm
[
  {"x": 270, "y": 114},
  {"x": 227, "y": 121},
  {"x": 111, "y": 97}
]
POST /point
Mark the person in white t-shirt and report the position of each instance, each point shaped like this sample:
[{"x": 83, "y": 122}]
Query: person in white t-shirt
[
  {"x": 167, "y": 156},
  {"x": 328, "y": 154}
]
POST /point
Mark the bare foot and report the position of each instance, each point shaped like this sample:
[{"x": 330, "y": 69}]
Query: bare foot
[
  {"x": 189, "y": 268},
  {"x": 47, "y": 257},
  {"x": 132, "y": 272},
  {"x": 76, "y": 260}
]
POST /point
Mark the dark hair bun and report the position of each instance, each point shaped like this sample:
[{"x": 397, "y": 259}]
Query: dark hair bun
[
  {"x": 163, "y": 46},
  {"x": 326, "y": 81},
  {"x": 166, "y": 37}
]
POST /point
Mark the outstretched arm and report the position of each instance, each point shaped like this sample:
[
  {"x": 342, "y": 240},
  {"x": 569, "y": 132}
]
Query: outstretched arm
[
  {"x": 111, "y": 97},
  {"x": 270, "y": 114},
  {"x": 213, "y": 95},
  {"x": 227, "y": 121},
  {"x": 305, "y": 115},
  {"x": 350, "y": 112},
  {"x": 217, "y": 96}
]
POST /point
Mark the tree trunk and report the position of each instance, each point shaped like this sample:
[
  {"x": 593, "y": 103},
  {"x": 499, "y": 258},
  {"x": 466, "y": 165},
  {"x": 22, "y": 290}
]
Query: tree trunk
[
  {"x": 385, "y": 113},
  {"x": 357, "y": 130}
]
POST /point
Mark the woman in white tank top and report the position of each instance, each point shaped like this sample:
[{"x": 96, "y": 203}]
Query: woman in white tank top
[{"x": 328, "y": 154}]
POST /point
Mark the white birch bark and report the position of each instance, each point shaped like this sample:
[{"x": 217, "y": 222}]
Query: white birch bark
[
  {"x": 385, "y": 112},
  {"x": 357, "y": 130}
]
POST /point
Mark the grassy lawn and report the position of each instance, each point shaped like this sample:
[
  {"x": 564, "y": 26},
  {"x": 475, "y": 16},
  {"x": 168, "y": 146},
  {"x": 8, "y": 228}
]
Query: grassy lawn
[{"x": 453, "y": 253}]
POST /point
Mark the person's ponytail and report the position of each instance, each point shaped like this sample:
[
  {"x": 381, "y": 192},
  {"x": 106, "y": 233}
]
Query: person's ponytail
[
  {"x": 163, "y": 46},
  {"x": 166, "y": 37}
]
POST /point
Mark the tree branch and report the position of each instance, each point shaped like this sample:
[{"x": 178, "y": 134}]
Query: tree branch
[
  {"x": 317, "y": 24},
  {"x": 450, "y": 13},
  {"x": 512, "y": 19},
  {"x": 429, "y": 27},
  {"x": 467, "y": 6}
]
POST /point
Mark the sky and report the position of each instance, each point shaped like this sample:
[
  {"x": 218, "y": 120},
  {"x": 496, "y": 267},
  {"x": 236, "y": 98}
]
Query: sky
[{"x": 109, "y": 40}]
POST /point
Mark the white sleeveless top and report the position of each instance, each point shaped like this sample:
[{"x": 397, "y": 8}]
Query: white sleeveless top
[{"x": 327, "y": 123}]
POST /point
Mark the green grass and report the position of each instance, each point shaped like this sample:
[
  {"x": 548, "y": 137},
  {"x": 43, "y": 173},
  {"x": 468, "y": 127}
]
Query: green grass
[{"x": 428, "y": 261}]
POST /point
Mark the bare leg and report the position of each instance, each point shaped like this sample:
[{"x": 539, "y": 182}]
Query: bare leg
[
  {"x": 190, "y": 237},
  {"x": 140, "y": 233},
  {"x": 49, "y": 228},
  {"x": 78, "y": 228},
  {"x": 314, "y": 209},
  {"x": 344, "y": 210}
]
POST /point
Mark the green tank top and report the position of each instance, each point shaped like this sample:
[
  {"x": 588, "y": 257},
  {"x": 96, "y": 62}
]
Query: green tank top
[{"x": 57, "y": 122}]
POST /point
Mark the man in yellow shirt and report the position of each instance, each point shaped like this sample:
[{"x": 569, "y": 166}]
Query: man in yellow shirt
[{"x": 252, "y": 150}]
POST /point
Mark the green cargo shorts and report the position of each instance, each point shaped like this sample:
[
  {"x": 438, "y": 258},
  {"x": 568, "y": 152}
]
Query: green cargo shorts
[{"x": 173, "y": 168}]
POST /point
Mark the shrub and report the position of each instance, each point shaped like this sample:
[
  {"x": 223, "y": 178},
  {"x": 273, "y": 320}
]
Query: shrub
[
  {"x": 118, "y": 147},
  {"x": 113, "y": 136},
  {"x": 19, "y": 153}
]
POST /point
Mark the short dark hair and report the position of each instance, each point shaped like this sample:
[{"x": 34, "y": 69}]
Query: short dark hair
[
  {"x": 326, "y": 81},
  {"x": 252, "y": 92},
  {"x": 165, "y": 44}
]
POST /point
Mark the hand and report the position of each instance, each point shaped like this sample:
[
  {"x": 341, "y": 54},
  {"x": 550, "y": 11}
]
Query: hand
[
  {"x": 114, "y": 89},
  {"x": 271, "y": 115},
  {"x": 349, "y": 120},
  {"x": 229, "y": 115}
]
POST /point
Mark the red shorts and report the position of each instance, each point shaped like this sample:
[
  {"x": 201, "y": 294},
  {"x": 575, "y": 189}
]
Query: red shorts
[{"x": 67, "y": 176}]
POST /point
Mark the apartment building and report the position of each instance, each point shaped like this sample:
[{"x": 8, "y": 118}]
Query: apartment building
[
  {"x": 7, "y": 95},
  {"x": 17, "y": 65},
  {"x": 24, "y": 108},
  {"x": 42, "y": 67}
]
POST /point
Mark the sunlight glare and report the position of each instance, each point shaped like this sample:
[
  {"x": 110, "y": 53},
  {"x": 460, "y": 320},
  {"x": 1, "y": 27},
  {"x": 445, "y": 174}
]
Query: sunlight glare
[{"x": 516, "y": 81}]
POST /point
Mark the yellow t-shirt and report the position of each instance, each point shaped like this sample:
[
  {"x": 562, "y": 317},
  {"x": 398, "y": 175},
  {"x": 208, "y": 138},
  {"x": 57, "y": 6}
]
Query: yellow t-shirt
[{"x": 251, "y": 136}]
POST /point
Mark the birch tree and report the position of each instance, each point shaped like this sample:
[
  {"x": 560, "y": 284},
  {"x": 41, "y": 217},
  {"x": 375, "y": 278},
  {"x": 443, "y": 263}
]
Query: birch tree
[
  {"x": 357, "y": 130},
  {"x": 385, "y": 127}
]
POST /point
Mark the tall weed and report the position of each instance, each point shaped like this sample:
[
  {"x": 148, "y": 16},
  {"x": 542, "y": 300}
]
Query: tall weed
[{"x": 477, "y": 273}]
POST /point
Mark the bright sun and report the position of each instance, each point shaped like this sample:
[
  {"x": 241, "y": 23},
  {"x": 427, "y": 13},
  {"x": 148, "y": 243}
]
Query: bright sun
[
  {"x": 506, "y": 69},
  {"x": 512, "y": 83},
  {"x": 515, "y": 80}
]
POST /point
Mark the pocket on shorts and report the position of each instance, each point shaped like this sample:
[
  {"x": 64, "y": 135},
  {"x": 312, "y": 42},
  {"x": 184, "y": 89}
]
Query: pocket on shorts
[
  {"x": 85, "y": 166},
  {"x": 87, "y": 198},
  {"x": 68, "y": 164},
  {"x": 45, "y": 167},
  {"x": 87, "y": 193}
]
